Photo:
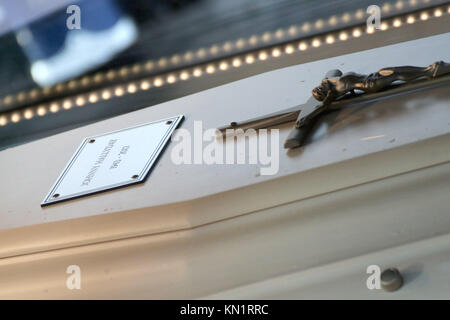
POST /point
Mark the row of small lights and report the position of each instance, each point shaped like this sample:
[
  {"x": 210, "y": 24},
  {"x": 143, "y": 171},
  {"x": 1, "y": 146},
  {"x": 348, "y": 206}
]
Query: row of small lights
[
  {"x": 196, "y": 72},
  {"x": 200, "y": 54}
]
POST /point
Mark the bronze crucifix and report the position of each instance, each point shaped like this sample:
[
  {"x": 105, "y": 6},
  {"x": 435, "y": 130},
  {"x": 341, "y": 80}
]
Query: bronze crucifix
[{"x": 337, "y": 90}]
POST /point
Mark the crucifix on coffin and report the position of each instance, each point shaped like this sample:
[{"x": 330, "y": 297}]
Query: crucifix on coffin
[{"x": 338, "y": 90}]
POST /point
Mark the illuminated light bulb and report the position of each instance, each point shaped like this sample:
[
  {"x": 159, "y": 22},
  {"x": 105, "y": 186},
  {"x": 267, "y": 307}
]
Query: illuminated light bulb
[
  {"x": 359, "y": 14},
  {"x": 223, "y": 65},
  {"x": 410, "y": 20},
  {"x": 3, "y": 120},
  {"x": 343, "y": 36},
  {"x": 227, "y": 46},
  {"x": 266, "y": 37},
  {"x": 289, "y": 49},
  {"x": 188, "y": 56},
  {"x": 210, "y": 69},
  {"x": 93, "y": 98},
  {"x": 21, "y": 96},
  {"x": 54, "y": 107},
  {"x": 384, "y": 26},
  {"x": 356, "y": 33},
  {"x": 123, "y": 71},
  {"x": 145, "y": 85},
  {"x": 47, "y": 90},
  {"x": 72, "y": 84},
  {"x": 85, "y": 81},
  {"x": 315, "y": 43},
  {"x": 201, "y": 53},
  {"x": 149, "y": 65},
  {"x": 346, "y": 17},
  {"x": 131, "y": 88},
  {"x": 333, "y": 21},
  {"x": 197, "y": 72},
  {"x": 28, "y": 114},
  {"x": 106, "y": 95},
  {"x": 249, "y": 59},
  {"x": 424, "y": 16},
  {"x": 279, "y": 34},
  {"x": 67, "y": 104},
  {"x": 253, "y": 40},
  {"x": 303, "y": 46},
  {"x": 59, "y": 87},
  {"x": 136, "y": 68},
  {"x": 370, "y": 29},
  {"x": 119, "y": 91},
  {"x": 386, "y": 7},
  {"x": 276, "y": 52},
  {"x": 319, "y": 24},
  {"x": 240, "y": 43},
  {"x": 98, "y": 77},
  {"x": 8, "y": 99},
  {"x": 110, "y": 75},
  {"x": 397, "y": 23},
  {"x": 176, "y": 59},
  {"x": 438, "y": 13},
  {"x": 15, "y": 117},
  {"x": 293, "y": 30},
  {"x": 399, "y": 5},
  {"x": 330, "y": 39},
  {"x": 158, "y": 82},
  {"x": 448, "y": 9},
  {"x": 80, "y": 101},
  {"x": 412, "y": 2},
  {"x": 162, "y": 63},
  {"x": 41, "y": 111},
  {"x": 237, "y": 62},
  {"x": 34, "y": 93},
  {"x": 184, "y": 75},
  {"x": 214, "y": 50},
  {"x": 262, "y": 55},
  {"x": 171, "y": 79},
  {"x": 306, "y": 27}
]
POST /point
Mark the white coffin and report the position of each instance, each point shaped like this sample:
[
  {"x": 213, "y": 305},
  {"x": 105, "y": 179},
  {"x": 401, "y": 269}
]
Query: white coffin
[{"x": 372, "y": 188}]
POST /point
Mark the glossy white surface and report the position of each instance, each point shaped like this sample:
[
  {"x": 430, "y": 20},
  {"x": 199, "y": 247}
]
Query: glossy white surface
[
  {"x": 314, "y": 248},
  {"x": 239, "y": 100}
]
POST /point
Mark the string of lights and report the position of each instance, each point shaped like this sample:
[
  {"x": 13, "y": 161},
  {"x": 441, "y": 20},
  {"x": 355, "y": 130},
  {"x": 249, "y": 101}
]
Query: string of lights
[
  {"x": 202, "y": 54},
  {"x": 222, "y": 65}
]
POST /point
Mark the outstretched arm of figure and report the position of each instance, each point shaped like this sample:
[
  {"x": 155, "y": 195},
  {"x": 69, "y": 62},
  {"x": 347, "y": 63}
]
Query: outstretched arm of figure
[
  {"x": 385, "y": 77},
  {"x": 411, "y": 73}
]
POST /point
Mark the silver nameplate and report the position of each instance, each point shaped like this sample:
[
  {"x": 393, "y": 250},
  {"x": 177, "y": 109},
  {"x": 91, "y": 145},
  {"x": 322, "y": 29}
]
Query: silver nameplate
[{"x": 112, "y": 160}]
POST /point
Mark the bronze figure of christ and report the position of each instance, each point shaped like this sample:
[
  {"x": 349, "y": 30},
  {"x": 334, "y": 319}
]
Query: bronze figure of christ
[{"x": 337, "y": 90}]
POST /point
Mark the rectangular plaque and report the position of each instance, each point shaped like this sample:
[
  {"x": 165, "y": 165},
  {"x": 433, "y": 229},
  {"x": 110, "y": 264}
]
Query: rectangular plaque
[{"x": 112, "y": 160}]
